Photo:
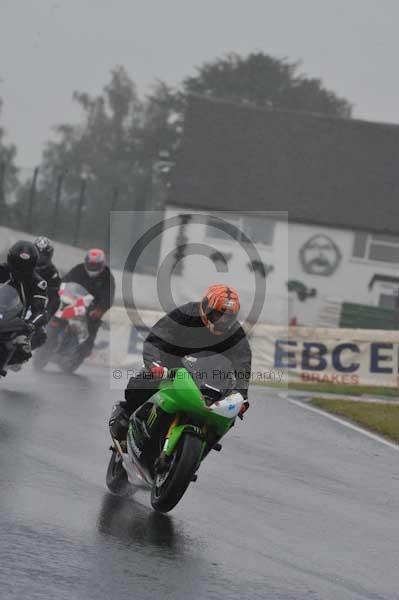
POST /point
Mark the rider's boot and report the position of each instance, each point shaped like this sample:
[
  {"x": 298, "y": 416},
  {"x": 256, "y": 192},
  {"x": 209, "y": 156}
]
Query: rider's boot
[
  {"x": 22, "y": 354},
  {"x": 119, "y": 422}
]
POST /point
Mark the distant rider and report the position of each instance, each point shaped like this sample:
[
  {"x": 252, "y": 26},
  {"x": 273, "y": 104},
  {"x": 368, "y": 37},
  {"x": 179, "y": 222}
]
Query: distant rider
[
  {"x": 47, "y": 270},
  {"x": 19, "y": 272},
  {"x": 208, "y": 325},
  {"x": 94, "y": 275},
  {"x": 49, "y": 273}
]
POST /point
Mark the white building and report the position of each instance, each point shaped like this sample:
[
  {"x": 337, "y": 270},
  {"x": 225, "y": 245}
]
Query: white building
[
  {"x": 337, "y": 180},
  {"x": 306, "y": 267}
]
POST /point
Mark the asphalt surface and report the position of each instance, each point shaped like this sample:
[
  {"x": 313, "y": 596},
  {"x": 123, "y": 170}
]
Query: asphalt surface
[{"x": 294, "y": 507}]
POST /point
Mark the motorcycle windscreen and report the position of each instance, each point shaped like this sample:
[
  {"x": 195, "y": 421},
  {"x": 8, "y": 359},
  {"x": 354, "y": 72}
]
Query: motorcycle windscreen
[
  {"x": 11, "y": 306},
  {"x": 212, "y": 373},
  {"x": 71, "y": 291}
]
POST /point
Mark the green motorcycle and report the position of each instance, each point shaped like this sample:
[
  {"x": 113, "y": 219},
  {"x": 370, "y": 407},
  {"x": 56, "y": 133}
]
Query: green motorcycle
[{"x": 171, "y": 434}]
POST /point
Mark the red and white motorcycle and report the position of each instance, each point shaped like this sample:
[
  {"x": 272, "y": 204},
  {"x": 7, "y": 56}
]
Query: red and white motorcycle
[{"x": 67, "y": 330}]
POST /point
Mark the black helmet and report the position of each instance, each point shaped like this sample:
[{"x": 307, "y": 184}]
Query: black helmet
[
  {"x": 22, "y": 259},
  {"x": 45, "y": 249}
]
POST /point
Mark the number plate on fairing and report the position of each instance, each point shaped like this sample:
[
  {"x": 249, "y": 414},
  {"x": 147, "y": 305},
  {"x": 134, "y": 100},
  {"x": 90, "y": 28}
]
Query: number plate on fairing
[{"x": 228, "y": 407}]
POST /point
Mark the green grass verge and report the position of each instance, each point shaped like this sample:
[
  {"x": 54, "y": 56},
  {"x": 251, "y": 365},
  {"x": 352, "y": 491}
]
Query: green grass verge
[
  {"x": 379, "y": 418},
  {"x": 336, "y": 388}
]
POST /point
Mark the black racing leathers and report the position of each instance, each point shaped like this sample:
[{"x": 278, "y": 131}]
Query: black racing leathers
[
  {"x": 101, "y": 287},
  {"x": 50, "y": 273},
  {"x": 182, "y": 332},
  {"x": 179, "y": 333},
  {"x": 33, "y": 294}
]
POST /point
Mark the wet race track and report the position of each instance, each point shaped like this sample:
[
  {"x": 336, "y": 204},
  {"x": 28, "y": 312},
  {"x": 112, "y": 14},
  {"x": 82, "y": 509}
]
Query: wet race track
[{"x": 294, "y": 507}]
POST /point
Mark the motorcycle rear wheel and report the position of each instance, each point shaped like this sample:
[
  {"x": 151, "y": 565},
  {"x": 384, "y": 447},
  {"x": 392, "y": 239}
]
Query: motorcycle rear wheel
[{"x": 168, "y": 490}]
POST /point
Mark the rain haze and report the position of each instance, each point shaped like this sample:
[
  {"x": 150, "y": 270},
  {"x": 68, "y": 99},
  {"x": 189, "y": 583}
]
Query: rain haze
[
  {"x": 48, "y": 49},
  {"x": 199, "y": 300}
]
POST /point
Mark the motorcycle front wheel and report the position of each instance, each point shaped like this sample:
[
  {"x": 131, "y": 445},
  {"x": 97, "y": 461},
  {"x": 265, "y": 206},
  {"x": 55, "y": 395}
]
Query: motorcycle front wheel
[
  {"x": 71, "y": 357},
  {"x": 168, "y": 488}
]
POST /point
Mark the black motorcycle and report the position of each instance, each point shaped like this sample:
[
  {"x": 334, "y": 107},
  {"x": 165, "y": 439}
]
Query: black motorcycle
[{"x": 13, "y": 329}]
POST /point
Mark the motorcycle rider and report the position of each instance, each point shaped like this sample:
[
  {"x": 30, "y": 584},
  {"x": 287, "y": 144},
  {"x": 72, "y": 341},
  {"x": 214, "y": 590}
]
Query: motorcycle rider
[
  {"x": 49, "y": 273},
  {"x": 47, "y": 270},
  {"x": 209, "y": 325},
  {"x": 19, "y": 272},
  {"x": 95, "y": 276}
]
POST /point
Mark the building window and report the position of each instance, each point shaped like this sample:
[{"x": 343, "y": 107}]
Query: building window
[
  {"x": 222, "y": 228},
  {"x": 388, "y": 301},
  {"x": 360, "y": 245},
  {"x": 378, "y": 247},
  {"x": 243, "y": 228},
  {"x": 258, "y": 231}
]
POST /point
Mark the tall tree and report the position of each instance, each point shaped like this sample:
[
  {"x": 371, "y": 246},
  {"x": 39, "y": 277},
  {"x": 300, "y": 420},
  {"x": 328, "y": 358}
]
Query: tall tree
[
  {"x": 8, "y": 169},
  {"x": 258, "y": 79},
  {"x": 263, "y": 80},
  {"x": 105, "y": 150},
  {"x": 120, "y": 138},
  {"x": 115, "y": 147}
]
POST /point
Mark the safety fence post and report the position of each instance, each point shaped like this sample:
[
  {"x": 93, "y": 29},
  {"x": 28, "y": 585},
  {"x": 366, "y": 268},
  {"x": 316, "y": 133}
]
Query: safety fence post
[
  {"x": 80, "y": 210},
  {"x": 2, "y": 192},
  {"x": 32, "y": 194},
  {"x": 60, "y": 180}
]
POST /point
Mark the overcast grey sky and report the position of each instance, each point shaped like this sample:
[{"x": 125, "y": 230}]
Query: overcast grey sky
[{"x": 48, "y": 48}]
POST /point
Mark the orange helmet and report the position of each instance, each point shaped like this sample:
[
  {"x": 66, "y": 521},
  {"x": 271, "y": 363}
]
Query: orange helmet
[{"x": 219, "y": 308}]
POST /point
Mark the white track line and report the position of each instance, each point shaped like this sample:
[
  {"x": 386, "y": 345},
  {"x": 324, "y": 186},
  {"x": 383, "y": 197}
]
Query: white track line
[{"x": 373, "y": 436}]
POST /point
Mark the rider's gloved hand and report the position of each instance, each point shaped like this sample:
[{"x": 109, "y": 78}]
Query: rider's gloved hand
[
  {"x": 96, "y": 313},
  {"x": 243, "y": 410},
  {"x": 37, "y": 321},
  {"x": 158, "y": 371},
  {"x": 30, "y": 328}
]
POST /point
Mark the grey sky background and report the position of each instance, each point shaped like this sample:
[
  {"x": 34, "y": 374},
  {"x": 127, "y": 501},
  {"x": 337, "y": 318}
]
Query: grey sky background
[{"x": 50, "y": 48}]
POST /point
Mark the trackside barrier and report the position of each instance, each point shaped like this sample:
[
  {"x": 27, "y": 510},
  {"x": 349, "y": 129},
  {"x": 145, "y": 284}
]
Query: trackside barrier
[
  {"x": 309, "y": 354},
  {"x": 66, "y": 256}
]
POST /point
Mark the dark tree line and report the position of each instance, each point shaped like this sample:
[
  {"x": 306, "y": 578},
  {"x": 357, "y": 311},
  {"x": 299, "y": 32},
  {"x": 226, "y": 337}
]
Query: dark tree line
[
  {"x": 8, "y": 168},
  {"x": 118, "y": 155}
]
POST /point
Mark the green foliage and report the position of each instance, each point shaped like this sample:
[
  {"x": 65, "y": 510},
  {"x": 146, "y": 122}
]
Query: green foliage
[
  {"x": 114, "y": 148},
  {"x": 383, "y": 418},
  {"x": 263, "y": 80},
  {"x": 8, "y": 168},
  {"x": 118, "y": 142},
  {"x": 335, "y": 388},
  {"x": 104, "y": 149}
]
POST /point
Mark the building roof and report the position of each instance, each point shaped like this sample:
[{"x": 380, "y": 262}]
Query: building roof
[{"x": 327, "y": 171}]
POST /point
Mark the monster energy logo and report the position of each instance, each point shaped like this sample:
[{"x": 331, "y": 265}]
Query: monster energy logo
[
  {"x": 152, "y": 417},
  {"x": 196, "y": 429},
  {"x": 131, "y": 438}
]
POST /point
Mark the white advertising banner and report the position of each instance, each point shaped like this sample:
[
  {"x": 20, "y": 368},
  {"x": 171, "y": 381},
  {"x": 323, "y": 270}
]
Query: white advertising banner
[
  {"x": 280, "y": 354},
  {"x": 314, "y": 354}
]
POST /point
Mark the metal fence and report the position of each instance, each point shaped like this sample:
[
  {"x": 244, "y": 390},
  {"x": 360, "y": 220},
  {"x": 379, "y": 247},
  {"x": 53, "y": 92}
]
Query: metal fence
[{"x": 75, "y": 210}]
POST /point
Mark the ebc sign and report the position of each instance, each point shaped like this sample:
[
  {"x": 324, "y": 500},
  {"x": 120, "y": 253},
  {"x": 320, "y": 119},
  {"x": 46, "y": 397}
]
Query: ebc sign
[{"x": 346, "y": 362}]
